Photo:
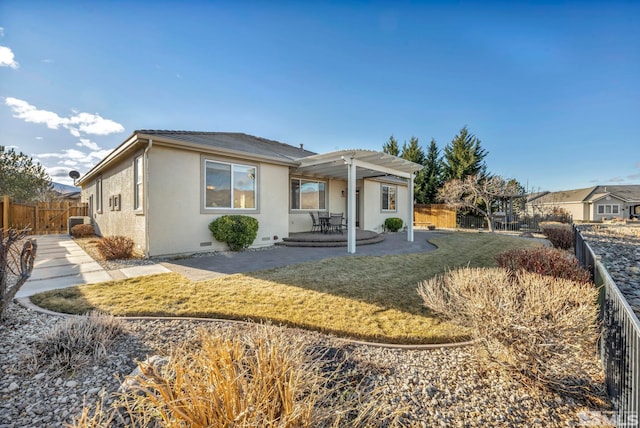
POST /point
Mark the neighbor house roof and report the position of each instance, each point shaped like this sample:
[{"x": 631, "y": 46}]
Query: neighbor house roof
[{"x": 628, "y": 193}]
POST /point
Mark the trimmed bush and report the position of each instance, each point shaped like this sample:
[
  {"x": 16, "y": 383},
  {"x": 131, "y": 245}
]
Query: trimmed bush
[
  {"x": 541, "y": 329},
  {"x": 115, "y": 247},
  {"x": 559, "y": 234},
  {"x": 78, "y": 341},
  {"x": 393, "y": 224},
  {"x": 82, "y": 230},
  {"x": 544, "y": 261},
  {"x": 238, "y": 231}
]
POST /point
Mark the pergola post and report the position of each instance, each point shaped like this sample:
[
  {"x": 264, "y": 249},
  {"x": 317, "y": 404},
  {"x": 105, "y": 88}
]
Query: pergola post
[
  {"x": 351, "y": 206},
  {"x": 410, "y": 209}
]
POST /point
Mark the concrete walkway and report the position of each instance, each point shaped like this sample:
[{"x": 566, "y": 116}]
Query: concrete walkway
[
  {"x": 61, "y": 263},
  {"x": 199, "y": 268}
]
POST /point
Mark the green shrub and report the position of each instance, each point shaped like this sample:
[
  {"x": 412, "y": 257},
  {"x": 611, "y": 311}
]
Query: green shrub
[
  {"x": 544, "y": 261},
  {"x": 115, "y": 247},
  {"x": 238, "y": 231},
  {"x": 559, "y": 234},
  {"x": 78, "y": 341},
  {"x": 82, "y": 230},
  {"x": 393, "y": 224},
  {"x": 541, "y": 329}
]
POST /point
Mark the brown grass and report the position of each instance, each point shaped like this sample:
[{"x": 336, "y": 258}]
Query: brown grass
[{"x": 371, "y": 298}]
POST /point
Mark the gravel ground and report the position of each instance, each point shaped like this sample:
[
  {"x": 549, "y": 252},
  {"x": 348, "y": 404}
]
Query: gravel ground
[{"x": 442, "y": 387}]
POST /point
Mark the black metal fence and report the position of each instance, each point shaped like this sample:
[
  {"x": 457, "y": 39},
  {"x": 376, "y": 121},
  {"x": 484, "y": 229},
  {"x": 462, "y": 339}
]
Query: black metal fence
[
  {"x": 513, "y": 224},
  {"x": 619, "y": 341}
]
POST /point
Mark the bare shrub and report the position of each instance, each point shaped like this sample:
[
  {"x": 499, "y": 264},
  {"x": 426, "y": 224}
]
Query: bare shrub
[
  {"x": 17, "y": 255},
  {"x": 541, "y": 329},
  {"x": 544, "y": 261},
  {"x": 115, "y": 247},
  {"x": 77, "y": 341},
  {"x": 559, "y": 234},
  {"x": 82, "y": 230}
]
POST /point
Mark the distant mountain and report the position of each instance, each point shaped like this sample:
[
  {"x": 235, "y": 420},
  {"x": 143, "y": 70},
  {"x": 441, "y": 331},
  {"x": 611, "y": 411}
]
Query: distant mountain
[{"x": 65, "y": 189}]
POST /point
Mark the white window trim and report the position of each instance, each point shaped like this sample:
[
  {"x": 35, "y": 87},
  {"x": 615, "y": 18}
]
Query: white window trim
[
  {"x": 299, "y": 179},
  {"x": 382, "y": 209},
  {"x": 221, "y": 210},
  {"x": 604, "y": 209},
  {"x": 138, "y": 181},
  {"x": 99, "y": 200}
]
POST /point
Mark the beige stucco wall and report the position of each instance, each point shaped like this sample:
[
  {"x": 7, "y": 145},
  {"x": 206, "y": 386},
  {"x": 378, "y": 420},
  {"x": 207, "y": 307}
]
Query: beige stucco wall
[
  {"x": 372, "y": 215},
  {"x": 176, "y": 223},
  {"x": 118, "y": 180}
]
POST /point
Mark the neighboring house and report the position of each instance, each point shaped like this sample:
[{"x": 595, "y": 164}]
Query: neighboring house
[
  {"x": 596, "y": 203},
  {"x": 163, "y": 188}
]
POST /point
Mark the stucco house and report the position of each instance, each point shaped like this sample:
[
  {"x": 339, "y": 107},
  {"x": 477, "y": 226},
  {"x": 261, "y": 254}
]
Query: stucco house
[
  {"x": 595, "y": 203},
  {"x": 163, "y": 188}
]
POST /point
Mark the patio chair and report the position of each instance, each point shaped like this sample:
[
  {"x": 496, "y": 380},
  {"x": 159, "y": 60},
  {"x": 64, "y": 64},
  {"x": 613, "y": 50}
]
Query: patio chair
[
  {"x": 335, "y": 222},
  {"x": 316, "y": 225}
]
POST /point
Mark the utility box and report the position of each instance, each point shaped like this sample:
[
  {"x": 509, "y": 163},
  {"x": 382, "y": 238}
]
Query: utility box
[{"x": 75, "y": 220}]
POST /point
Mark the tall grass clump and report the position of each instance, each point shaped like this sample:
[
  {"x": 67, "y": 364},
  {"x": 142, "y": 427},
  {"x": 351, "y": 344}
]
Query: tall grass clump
[
  {"x": 541, "y": 329},
  {"x": 77, "y": 341},
  {"x": 82, "y": 230},
  {"x": 264, "y": 378},
  {"x": 559, "y": 234},
  {"x": 544, "y": 261},
  {"x": 115, "y": 247}
]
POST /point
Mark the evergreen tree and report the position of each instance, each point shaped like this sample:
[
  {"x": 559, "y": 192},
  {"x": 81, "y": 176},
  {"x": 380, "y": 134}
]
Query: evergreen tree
[
  {"x": 433, "y": 174},
  {"x": 464, "y": 157},
  {"x": 391, "y": 147},
  {"x": 414, "y": 153},
  {"x": 21, "y": 178}
]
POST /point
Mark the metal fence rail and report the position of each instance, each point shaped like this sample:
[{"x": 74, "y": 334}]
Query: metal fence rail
[
  {"x": 516, "y": 224},
  {"x": 619, "y": 341}
]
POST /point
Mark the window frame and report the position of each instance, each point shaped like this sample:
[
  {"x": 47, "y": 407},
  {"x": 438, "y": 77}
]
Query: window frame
[
  {"x": 614, "y": 209},
  {"x": 99, "y": 200},
  {"x": 233, "y": 163},
  {"x": 138, "y": 183},
  {"x": 382, "y": 199},
  {"x": 308, "y": 180}
]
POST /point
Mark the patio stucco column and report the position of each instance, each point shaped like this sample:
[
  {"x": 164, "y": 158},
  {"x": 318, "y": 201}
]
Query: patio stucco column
[
  {"x": 351, "y": 206},
  {"x": 410, "y": 208}
]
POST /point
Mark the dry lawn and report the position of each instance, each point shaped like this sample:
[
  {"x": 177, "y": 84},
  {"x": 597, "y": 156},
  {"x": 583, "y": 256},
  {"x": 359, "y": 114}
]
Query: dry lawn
[{"x": 370, "y": 298}]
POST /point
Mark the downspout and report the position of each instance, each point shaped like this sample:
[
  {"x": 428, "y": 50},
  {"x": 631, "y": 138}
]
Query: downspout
[{"x": 146, "y": 197}]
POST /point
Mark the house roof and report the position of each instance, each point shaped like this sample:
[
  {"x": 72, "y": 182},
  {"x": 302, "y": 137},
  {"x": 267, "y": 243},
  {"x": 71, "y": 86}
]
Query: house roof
[
  {"x": 370, "y": 163},
  {"x": 628, "y": 193}
]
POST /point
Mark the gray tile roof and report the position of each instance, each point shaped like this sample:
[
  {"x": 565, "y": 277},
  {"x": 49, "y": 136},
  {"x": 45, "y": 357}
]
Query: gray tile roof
[
  {"x": 234, "y": 141},
  {"x": 629, "y": 192}
]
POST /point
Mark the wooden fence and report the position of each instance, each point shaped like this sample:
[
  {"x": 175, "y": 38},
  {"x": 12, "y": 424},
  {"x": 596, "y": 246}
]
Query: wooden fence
[
  {"x": 42, "y": 218},
  {"x": 438, "y": 215}
]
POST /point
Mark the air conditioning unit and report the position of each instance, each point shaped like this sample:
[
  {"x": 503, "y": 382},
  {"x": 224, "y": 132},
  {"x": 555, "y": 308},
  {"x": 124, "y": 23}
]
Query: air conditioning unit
[{"x": 75, "y": 220}]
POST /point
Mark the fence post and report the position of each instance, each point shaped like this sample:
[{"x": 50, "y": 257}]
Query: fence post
[{"x": 5, "y": 214}]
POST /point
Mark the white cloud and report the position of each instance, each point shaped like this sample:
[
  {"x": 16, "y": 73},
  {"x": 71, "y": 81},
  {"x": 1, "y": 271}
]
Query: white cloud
[
  {"x": 78, "y": 124},
  {"x": 39, "y": 138},
  {"x": 7, "y": 59},
  {"x": 48, "y": 61},
  {"x": 85, "y": 142},
  {"x": 1, "y": 31}
]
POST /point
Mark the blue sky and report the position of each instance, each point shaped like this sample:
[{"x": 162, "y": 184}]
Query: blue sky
[{"x": 552, "y": 89}]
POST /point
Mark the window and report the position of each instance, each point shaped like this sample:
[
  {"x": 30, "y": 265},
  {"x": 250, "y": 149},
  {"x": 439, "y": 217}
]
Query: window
[
  {"x": 388, "y": 198},
  {"x": 99, "y": 195},
  {"x": 138, "y": 175},
  {"x": 608, "y": 209},
  {"x": 308, "y": 194},
  {"x": 230, "y": 186}
]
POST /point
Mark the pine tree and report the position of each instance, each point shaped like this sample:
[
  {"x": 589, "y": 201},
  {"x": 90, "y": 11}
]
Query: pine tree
[
  {"x": 413, "y": 152},
  {"x": 464, "y": 157},
  {"x": 433, "y": 174},
  {"x": 21, "y": 178},
  {"x": 391, "y": 147}
]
